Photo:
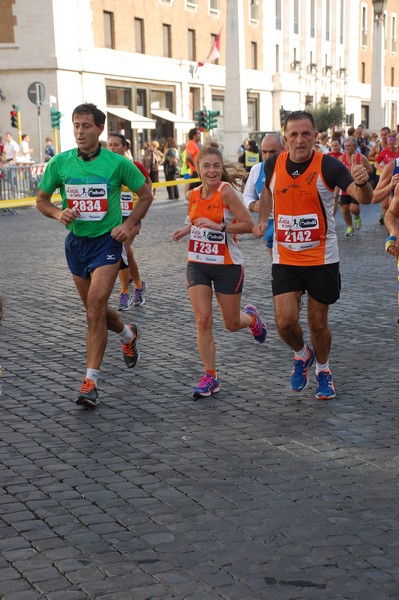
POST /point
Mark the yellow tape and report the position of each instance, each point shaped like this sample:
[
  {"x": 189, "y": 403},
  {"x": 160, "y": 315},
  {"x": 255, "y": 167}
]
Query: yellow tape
[{"x": 19, "y": 202}]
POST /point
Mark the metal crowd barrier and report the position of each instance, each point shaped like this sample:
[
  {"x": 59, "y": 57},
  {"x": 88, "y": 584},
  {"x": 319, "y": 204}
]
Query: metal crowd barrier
[
  {"x": 19, "y": 181},
  {"x": 19, "y": 185}
]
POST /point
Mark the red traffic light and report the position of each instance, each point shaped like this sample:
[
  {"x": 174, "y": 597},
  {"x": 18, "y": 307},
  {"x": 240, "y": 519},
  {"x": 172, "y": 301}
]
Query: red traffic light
[{"x": 13, "y": 113}]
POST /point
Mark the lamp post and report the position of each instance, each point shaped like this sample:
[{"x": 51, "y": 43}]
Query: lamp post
[{"x": 377, "y": 116}]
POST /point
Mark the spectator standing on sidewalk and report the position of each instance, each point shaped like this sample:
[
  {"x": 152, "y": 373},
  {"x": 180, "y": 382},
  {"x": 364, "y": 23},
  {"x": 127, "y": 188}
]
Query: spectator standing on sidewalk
[
  {"x": 170, "y": 167},
  {"x": 25, "y": 151},
  {"x": 216, "y": 214},
  {"x": 11, "y": 149},
  {"x": 90, "y": 178},
  {"x": 49, "y": 150},
  {"x": 300, "y": 185}
]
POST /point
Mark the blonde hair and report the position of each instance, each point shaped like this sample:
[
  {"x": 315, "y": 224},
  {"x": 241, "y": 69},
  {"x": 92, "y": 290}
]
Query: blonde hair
[{"x": 233, "y": 173}]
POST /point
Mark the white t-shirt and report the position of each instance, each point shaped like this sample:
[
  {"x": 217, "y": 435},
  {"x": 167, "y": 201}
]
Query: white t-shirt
[{"x": 24, "y": 153}]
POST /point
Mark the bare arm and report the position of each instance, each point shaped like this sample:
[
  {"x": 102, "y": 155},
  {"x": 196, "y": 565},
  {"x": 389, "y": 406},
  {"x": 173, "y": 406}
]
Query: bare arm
[
  {"x": 360, "y": 188},
  {"x": 244, "y": 222},
  {"x": 265, "y": 207},
  {"x": 122, "y": 232},
  {"x": 48, "y": 209},
  {"x": 391, "y": 222},
  {"x": 386, "y": 183}
]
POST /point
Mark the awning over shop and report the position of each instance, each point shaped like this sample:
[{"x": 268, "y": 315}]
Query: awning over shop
[
  {"x": 137, "y": 121},
  {"x": 164, "y": 113}
]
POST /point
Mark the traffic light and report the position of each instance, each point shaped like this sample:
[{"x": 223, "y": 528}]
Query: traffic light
[
  {"x": 56, "y": 116},
  {"x": 201, "y": 119},
  {"x": 14, "y": 116},
  {"x": 212, "y": 121}
]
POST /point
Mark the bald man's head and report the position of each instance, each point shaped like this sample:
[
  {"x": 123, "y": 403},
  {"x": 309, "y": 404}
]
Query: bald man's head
[{"x": 271, "y": 144}]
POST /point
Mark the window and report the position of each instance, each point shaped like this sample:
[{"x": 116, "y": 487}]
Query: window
[
  {"x": 277, "y": 58},
  {"x": 312, "y": 19},
  {"x": 214, "y": 5},
  {"x": 296, "y": 16},
  {"x": 141, "y": 102},
  {"x": 278, "y": 15},
  {"x": 254, "y": 10},
  {"x": 364, "y": 26},
  {"x": 139, "y": 35},
  {"x": 252, "y": 114},
  {"x": 254, "y": 55},
  {"x": 308, "y": 101},
  {"x": 385, "y": 31},
  {"x": 109, "y": 41},
  {"x": 192, "y": 51},
  {"x": 392, "y": 77},
  {"x": 363, "y": 72},
  {"x": 328, "y": 17},
  {"x": 191, "y": 4},
  {"x": 393, "y": 34},
  {"x": 166, "y": 40},
  {"x": 341, "y": 21},
  {"x": 119, "y": 96}
]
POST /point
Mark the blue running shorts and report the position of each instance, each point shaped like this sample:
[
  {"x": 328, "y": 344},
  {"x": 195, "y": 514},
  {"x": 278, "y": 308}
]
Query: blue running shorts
[{"x": 85, "y": 254}]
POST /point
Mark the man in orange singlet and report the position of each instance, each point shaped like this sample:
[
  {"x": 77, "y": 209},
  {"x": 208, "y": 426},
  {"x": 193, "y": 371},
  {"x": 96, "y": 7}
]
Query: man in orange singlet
[{"x": 300, "y": 185}]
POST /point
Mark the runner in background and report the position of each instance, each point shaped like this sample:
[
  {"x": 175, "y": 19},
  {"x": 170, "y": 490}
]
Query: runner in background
[{"x": 117, "y": 143}]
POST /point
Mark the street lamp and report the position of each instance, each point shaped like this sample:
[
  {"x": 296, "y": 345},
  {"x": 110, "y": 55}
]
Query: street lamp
[{"x": 377, "y": 116}]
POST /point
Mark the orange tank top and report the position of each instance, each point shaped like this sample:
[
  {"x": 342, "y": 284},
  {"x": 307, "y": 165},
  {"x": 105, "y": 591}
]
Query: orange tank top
[
  {"x": 211, "y": 246},
  {"x": 304, "y": 226}
]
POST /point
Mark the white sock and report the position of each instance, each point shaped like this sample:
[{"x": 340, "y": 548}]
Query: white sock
[
  {"x": 126, "y": 334},
  {"x": 302, "y": 354},
  {"x": 325, "y": 367},
  {"x": 92, "y": 374}
]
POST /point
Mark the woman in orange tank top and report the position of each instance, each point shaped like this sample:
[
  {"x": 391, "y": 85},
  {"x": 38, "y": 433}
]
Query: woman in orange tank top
[{"x": 216, "y": 215}]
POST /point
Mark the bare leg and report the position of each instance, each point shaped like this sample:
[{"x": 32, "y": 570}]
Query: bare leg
[
  {"x": 320, "y": 332},
  {"x": 201, "y": 301},
  {"x": 346, "y": 215},
  {"x": 286, "y": 310},
  {"x": 95, "y": 293},
  {"x": 233, "y": 317}
]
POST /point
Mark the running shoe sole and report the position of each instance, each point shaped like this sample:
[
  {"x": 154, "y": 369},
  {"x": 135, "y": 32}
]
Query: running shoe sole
[
  {"x": 197, "y": 395},
  {"x": 92, "y": 404}
]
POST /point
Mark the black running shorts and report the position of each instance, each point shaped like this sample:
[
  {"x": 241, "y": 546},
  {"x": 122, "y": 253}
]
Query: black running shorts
[
  {"x": 323, "y": 283},
  {"x": 227, "y": 279}
]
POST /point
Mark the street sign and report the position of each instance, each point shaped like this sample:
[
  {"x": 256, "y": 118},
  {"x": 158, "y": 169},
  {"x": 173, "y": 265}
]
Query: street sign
[{"x": 36, "y": 92}]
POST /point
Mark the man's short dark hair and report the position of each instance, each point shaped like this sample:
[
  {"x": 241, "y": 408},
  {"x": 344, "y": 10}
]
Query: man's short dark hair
[
  {"x": 296, "y": 115},
  {"x": 192, "y": 133},
  {"x": 90, "y": 109}
]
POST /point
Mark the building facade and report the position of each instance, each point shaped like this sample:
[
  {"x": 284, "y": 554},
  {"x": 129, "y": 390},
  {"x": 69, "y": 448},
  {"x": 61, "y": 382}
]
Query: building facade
[{"x": 144, "y": 62}]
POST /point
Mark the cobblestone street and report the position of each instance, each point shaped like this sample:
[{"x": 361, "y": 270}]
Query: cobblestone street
[{"x": 253, "y": 493}]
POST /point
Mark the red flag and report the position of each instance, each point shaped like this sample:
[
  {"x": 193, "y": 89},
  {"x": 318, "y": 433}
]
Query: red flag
[{"x": 214, "y": 54}]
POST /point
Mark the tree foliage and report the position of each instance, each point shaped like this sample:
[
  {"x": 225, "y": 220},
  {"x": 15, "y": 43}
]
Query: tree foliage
[{"x": 327, "y": 117}]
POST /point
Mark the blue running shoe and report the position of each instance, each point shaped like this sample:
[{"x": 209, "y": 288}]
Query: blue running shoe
[
  {"x": 139, "y": 294},
  {"x": 207, "y": 386},
  {"x": 325, "y": 386},
  {"x": 125, "y": 302},
  {"x": 259, "y": 330},
  {"x": 300, "y": 372}
]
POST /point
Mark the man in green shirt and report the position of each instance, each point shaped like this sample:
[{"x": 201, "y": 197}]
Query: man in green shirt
[{"x": 89, "y": 178}]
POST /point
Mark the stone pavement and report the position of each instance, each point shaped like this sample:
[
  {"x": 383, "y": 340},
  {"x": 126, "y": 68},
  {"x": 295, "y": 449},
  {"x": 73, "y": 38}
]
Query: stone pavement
[{"x": 250, "y": 494}]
